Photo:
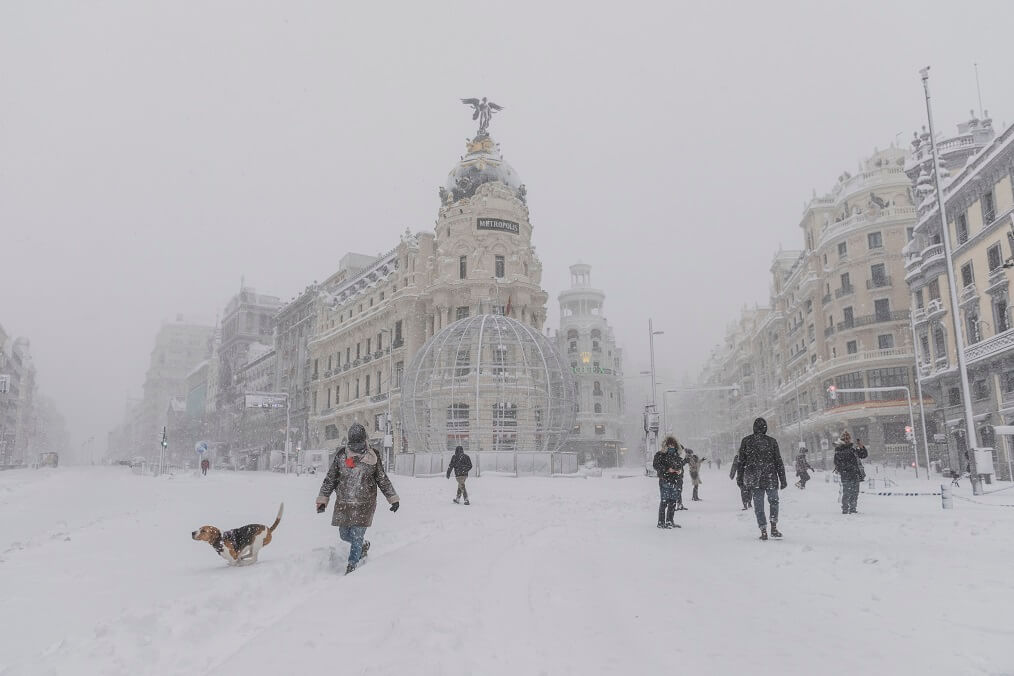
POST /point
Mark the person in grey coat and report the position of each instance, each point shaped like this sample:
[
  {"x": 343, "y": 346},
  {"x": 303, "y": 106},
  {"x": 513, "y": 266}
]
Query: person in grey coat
[{"x": 355, "y": 475}]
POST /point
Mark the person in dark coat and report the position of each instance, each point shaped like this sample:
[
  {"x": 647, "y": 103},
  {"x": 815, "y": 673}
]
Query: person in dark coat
[
  {"x": 668, "y": 464},
  {"x": 745, "y": 495},
  {"x": 205, "y": 466},
  {"x": 803, "y": 469},
  {"x": 847, "y": 462},
  {"x": 355, "y": 475},
  {"x": 762, "y": 471},
  {"x": 461, "y": 464}
]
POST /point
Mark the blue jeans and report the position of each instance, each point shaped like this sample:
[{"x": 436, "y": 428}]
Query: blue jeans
[
  {"x": 354, "y": 535},
  {"x": 849, "y": 495},
  {"x": 758, "y": 505}
]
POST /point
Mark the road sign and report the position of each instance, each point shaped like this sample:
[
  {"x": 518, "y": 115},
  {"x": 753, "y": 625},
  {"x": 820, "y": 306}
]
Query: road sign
[
  {"x": 201, "y": 447},
  {"x": 265, "y": 400}
]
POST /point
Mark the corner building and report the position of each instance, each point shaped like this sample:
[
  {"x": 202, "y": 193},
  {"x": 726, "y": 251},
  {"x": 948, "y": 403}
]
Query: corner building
[{"x": 374, "y": 317}]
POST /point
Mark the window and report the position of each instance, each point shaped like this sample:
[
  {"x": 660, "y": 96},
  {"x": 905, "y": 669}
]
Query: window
[
  {"x": 329, "y": 397},
  {"x": 369, "y": 342},
  {"x": 462, "y": 362},
  {"x": 457, "y": 426},
  {"x": 378, "y": 422},
  {"x": 851, "y": 347},
  {"x": 882, "y": 309},
  {"x": 961, "y": 228},
  {"x": 598, "y": 408},
  {"x": 1008, "y": 381},
  {"x": 980, "y": 390},
  {"x": 909, "y": 234},
  {"x": 850, "y": 381},
  {"x": 994, "y": 257},
  {"x": 924, "y": 344},
  {"x": 967, "y": 274},
  {"x": 359, "y": 351},
  {"x": 888, "y": 377},
  {"x": 597, "y": 389},
  {"x": 399, "y": 372},
  {"x": 500, "y": 360},
  {"x": 972, "y": 331},
  {"x": 329, "y": 364},
  {"x": 875, "y": 240},
  {"x": 808, "y": 306},
  {"x": 576, "y": 429},
  {"x": 499, "y": 266},
  {"x": 918, "y": 299},
  {"x": 842, "y": 249},
  {"x": 934, "y": 289},
  {"x": 315, "y": 375},
  {"x": 600, "y": 429},
  {"x": 337, "y": 394},
  {"x": 954, "y": 397},
  {"x": 315, "y": 401},
  {"x": 357, "y": 388},
  {"x": 848, "y": 319},
  {"x": 939, "y": 347},
  {"x": 463, "y": 267},
  {"x": 1000, "y": 315},
  {"x": 572, "y": 347},
  {"x": 885, "y": 341},
  {"x": 846, "y": 282},
  {"x": 878, "y": 273},
  {"x": 398, "y": 339},
  {"x": 380, "y": 341},
  {"x": 988, "y": 208},
  {"x": 461, "y": 312},
  {"x": 505, "y": 427}
]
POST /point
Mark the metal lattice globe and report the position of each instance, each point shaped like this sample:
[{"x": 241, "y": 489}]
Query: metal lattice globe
[{"x": 488, "y": 383}]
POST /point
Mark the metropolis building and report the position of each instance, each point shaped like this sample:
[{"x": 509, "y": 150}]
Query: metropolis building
[
  {"x": 586, "y": 340},
  {"x": 375, "y": 313}
]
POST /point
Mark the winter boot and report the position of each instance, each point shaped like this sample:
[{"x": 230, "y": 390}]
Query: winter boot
[
  {"x": 696, "y": 498},
  {"x": 467, "y": 502},
  {"x": 349, "y": 568},
  {"x": 669, "y": 512},
  {"x": 775, "y": 533},
  {"x": 366, "y": 550},
  {"x": 661, "y": 515},
  {"x": 764, "y": 534},
  {"x": 456, "y": 501},
  {"x": 799, "y": 485}
]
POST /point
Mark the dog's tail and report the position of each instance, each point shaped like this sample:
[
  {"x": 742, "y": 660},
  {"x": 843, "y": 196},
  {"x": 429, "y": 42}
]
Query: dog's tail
[{"x": 278, "y": 518}]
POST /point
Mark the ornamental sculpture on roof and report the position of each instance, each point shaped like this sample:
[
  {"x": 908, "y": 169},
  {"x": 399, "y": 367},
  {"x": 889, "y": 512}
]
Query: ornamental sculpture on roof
[{"x": 482, "y": 111}]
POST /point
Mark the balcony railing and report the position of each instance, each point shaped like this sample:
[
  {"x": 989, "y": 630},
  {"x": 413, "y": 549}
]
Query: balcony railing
[
  {"x": 846, "y": 324},
  {"x": 997, "y": 277},
  {"x": 934, "y": 307},
  {"x": 968, "y": 293},
  {"x": 844, "y": 291},
  {"x": 878, "y": 282},
  {"x": 896, "y": 316},
  {"x": 1001, "y": 342}
]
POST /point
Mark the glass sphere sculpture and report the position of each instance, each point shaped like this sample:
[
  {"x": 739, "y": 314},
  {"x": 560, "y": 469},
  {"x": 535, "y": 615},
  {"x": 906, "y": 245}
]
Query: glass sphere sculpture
[{"x": 488, "y": 383}]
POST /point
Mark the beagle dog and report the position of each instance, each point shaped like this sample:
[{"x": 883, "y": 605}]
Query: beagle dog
[{"x": 240, "y": 546}]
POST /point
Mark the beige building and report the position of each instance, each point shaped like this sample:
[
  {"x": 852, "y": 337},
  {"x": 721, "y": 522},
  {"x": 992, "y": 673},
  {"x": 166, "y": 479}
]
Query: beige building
[
  {"x": 377, "y": 313},
  {"x": 977, "y": 171},
  {"x": 586, "y": 340},
  {"x": 838, "y": 316}
]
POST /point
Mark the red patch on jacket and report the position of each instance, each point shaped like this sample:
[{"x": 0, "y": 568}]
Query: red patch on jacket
[{"x": 350, "y": 463}]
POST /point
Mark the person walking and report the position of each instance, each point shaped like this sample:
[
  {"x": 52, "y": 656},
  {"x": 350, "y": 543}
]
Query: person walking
[
  {"x": 745, "y": 495},
  {"x": 848, "y": 464},
  {"x": 762, "y": 471},
  {"x": 355, "y": 475},
  {"x": 462, "y": 465},
  {"x": 668, "y": 465},
  {"x": 718, "y": 463},
  {"x": 694, "y": 465},
  {"x": 205, "y": 466},
  {"x": 803, "y": 469}
]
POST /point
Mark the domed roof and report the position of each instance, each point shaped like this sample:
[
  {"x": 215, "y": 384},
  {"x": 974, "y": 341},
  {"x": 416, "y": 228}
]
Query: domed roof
[
  {"x": 488, "y": 383},
  {"x": 483, "y": 163}
]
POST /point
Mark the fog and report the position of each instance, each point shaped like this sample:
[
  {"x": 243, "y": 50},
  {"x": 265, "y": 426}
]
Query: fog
[{"x": 151, "y": 155}]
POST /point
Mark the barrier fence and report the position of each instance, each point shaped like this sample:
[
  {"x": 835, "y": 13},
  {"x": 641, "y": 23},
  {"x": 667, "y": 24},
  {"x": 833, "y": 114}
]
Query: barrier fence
[{"x": 489, "y": 462}]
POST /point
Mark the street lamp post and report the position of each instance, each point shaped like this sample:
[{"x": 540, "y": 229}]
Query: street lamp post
[
  {"x": 918, "y": 384},
  {"x": 651, "y": 348},
  {"x": 959, "y": 341},
  {"x": 388, "y": 424}
]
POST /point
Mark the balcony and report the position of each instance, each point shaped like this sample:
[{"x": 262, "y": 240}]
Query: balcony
[
  {"x": 378, "y": 354},
  {"x": 844, "y": 291},
  {"x": 846, "y": 325},
  {"x": 327, "y": 374},
  {"x": 968, "y": 293},
  {"x": 367, "y": 358},
  {"x": 932, "y": 255},
  {"x": 997, "y": 279},
  {"x": 879, "y": 282},
  {"x": 925, "y": 369},
  {"x": 377, "y": 398},
  {"x": 935, "y": 308},
  {"x": 919, "y": 315},
  {"x": 879, "y": 318},
  {"x": 1001, "y": 342},
  {"x": 828, "y": 332}
]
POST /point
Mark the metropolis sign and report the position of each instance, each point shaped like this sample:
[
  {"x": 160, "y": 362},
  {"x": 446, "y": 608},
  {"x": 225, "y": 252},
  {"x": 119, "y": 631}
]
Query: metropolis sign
[{"x": 498, "y": 225}]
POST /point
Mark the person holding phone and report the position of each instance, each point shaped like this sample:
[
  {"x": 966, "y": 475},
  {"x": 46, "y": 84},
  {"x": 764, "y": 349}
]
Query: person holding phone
[
  {"x": 355, "y": 475},
  {"x": 848, "y": 464}
]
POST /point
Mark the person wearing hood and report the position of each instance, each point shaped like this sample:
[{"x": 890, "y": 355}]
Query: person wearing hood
[
  {"x": 461, "y": 464},
  {"x": 745, "y": 494},
  {"x": 694, "y": 465},
  {"x": 848, "y": 465},
  {"x": 762, "y": 471},
  {"x": 668, "y": 464},
  {"x": 355, "y": 474},
  {"x": 803, "y": 469}
]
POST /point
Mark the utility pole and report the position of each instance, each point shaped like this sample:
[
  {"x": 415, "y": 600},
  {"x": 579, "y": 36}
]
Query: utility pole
[
  {"x": 918, "y": 383},
  {"x": 971, "y": 442}
]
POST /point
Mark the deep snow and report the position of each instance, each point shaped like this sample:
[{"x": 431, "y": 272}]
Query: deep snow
[{"x": 98, "y": 575}]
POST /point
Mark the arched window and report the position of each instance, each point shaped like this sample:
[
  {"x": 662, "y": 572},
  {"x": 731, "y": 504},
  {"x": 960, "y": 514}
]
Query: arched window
[
  {"x": 596, "y": 334},
  {"x": 598, "y": 408},
  {"x": 597, "y": 389},
  {"x": 572, "y": 334}
]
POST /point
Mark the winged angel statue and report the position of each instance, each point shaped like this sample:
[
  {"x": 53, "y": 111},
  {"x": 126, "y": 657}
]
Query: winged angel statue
[{"x": 483, "y": 112}]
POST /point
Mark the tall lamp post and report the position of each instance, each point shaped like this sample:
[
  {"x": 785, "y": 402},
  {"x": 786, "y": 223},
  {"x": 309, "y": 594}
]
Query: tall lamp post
[
  {"x": 651, "y": 348},
  {"x": 918, "y": 384},
  {"x": 959, "y": 340},
  {"x": 388, "y": 424}
]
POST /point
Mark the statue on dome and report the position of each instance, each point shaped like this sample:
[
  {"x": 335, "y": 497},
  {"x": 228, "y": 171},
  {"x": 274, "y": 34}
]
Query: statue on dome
[{"x": 482, "y": 111}]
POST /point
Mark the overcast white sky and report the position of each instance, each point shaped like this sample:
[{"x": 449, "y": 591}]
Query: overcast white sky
[{"x": 152, "y": 153}]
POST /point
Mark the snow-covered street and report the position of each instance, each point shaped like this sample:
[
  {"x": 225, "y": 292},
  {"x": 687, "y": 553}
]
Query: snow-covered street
[{"x": 98, "y": 575}]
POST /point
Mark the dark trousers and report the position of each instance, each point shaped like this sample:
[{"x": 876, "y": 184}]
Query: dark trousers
[
  {"x": 849, "y": 495},
  {"x": 668, "y": 499},
  {"x": 758, "y": 505},
  {"x": 803, "y": 478}
]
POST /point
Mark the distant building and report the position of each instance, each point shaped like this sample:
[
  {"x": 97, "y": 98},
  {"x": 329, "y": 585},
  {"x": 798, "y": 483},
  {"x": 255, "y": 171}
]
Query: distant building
[{"x": 586, "y": 341}]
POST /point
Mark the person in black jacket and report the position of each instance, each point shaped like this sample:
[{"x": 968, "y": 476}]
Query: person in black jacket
[
  {"x": 668, "y": 464},
  {"x": 762, "y": 471},
  {"x": 462, "y": 465},
  {"x": 847, "y": 457}
]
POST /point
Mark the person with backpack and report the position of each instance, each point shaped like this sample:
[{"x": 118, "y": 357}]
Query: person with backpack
[
  {"x": 461, "y": 464},
  {"x": 762, "y": 471},
  {"x": 355, "y": 474},
  {"x": 848, "y": 464},
  {"x": 803, "y": 469},
  {"x": 668, "y": 464}
]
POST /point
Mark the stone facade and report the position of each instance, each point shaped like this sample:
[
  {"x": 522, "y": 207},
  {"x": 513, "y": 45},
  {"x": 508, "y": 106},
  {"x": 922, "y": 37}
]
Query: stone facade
[
  {"x": 838, "y": 316},
  {"x": 586, "y": 340},
  {"x": 979, "y": 195},
  {"x": 477, "y": 259}
]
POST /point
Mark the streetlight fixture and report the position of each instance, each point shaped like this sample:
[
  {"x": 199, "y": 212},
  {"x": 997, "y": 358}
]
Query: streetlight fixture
[{"x": 959, "y": 340}]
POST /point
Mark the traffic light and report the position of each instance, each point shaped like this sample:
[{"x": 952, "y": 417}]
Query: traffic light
[
  {"x": 909, "y": 433},
  {"x": 832, "y": 393}
]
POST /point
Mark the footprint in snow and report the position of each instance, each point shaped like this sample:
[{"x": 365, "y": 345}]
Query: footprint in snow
[{"x": 869, "y": 561}]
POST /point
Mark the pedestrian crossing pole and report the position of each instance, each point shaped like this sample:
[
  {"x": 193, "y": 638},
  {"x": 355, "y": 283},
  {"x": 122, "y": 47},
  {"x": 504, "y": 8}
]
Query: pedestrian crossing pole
[{"x": 162, "y": 452}]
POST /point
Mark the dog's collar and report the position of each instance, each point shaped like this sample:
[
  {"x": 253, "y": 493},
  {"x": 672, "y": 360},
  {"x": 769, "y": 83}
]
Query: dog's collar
[{"x": 218, "y": 544}]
